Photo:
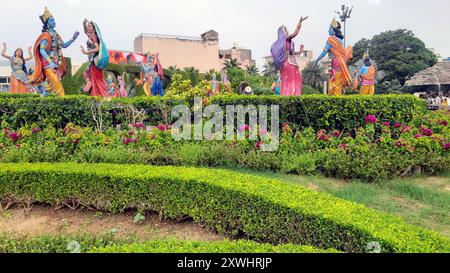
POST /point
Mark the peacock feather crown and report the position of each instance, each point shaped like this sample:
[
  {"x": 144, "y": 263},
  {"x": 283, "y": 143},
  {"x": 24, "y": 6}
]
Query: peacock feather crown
[
  {"x": 334, "y": 23},
  {"x": 47, "y": 14}
]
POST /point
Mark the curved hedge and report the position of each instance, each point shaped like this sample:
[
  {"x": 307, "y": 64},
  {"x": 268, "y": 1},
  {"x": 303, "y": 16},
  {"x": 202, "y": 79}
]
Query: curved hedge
[
  {"x": 228, "y": 202},
  {"x": 317, "y": 111},
  {"x": 173, "y": 246}
]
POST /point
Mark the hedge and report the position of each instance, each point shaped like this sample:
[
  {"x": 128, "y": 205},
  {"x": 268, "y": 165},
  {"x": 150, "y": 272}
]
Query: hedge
[
  {"x": 318, "y": 111},
  {"x": 230, "y": 203},
  {"x": 174, "y": 246}
]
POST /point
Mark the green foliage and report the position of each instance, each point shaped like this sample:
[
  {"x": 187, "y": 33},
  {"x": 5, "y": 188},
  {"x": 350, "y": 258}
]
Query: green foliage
[
  {"x": 314, "y": 75},
  {"x": 57, "y": 244},
  {"x": 228, "y": 202},
  {"x": 398, "y": 53},
  {"x": 318, "y": 111},
  {"x": 308, "y": 90},
  {"x": 173, "y": 246},
  {"x": 390, "y": 87}
]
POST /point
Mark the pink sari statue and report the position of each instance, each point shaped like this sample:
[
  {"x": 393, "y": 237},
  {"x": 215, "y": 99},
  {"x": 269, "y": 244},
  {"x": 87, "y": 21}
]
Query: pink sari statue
[
  {"x": 123, "y": 91},
  {"x": 283, "y": 53}
]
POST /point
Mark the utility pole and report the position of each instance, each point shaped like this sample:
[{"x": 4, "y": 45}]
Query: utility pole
[{"x": 344, "y": 15}]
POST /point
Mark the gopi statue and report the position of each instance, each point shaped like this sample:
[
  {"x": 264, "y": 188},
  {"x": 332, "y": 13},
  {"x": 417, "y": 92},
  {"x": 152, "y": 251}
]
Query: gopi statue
[{"x": 19, "y": 77}]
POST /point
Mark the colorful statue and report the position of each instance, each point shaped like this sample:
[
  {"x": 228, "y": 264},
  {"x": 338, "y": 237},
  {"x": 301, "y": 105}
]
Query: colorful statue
[
  {"x": 99, "y": 58},
  {"x": 276, "y": 86},
  {"x": 366, "y": 76},
  {"x": 123, "y": 90},
  {"x": 113, "y": 91},
  {"x": 339, "y": 74},
  {"x": 283, "y": 53},
  {"x": 151, "y": 75},
  {"x": 19, "y": 78},
  {"x": 50, "y": 62},
  {"x": 215, "y": 88}
]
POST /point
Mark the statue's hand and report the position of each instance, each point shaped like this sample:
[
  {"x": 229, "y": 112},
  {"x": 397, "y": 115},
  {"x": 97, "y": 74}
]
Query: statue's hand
[
  {"x": 52, "y": 65},
  {"x": 75, "y": 35}
]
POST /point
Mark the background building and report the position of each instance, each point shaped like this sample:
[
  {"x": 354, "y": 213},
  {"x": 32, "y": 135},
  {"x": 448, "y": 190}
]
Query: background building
[
  {"x": 183, "y": 51},
  {"x": 202, "y": 53},
  {"x": 242, "y": 55}
]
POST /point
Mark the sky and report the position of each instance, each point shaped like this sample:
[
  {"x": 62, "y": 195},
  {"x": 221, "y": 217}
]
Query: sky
[{"x": 252, "y": 24}]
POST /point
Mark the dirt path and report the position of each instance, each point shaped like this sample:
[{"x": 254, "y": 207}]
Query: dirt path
[{"x": 43, "y": 221}]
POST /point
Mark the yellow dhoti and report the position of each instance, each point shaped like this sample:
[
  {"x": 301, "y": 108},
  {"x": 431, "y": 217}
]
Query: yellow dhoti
[
  {"x": 335, "y": 86},
  {"x": 147, "y": 90},
  {"x": 367, "y": 90},
  {"x": 54, "y": 83}
]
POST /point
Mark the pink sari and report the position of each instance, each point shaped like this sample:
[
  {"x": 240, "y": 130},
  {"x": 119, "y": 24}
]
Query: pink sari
[{"x": 291, "y": 79}]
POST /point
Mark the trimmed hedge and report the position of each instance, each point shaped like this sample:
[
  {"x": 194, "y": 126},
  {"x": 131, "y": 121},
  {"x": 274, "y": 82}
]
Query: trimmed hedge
[
  {"x": 228, "y": 202},
  {"x": 173, "y": 246},
  {"x": 318, "y": 111}
]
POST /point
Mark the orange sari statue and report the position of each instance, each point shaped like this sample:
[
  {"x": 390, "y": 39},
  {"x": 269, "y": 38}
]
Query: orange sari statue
[
  {"x": 366, "y": 76},
  {"x": 339, "y": 78}
]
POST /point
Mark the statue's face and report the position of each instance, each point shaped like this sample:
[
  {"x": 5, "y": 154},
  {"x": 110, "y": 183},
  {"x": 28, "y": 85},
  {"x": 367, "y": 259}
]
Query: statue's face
[
  {"x": 90, "y": 28},
  {"x": 367, "y": 62},
  {"x": 19, "y": 53},
  {"x": 51, "y": 22},
  {"x": 150, "y": 59},
  {"x": 331, "y": 31}
]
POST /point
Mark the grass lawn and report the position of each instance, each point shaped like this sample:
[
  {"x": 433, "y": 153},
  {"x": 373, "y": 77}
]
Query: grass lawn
[{"x": 422, "y": 201}]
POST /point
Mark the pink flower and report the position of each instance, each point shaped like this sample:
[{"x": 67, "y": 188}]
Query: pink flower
[
  {"x": 386, "y": 124},
  {"x": 406, "y": 129},
  {"x": 14, "y": 136},
  {"x": 336, "y": 133},
  {"x": 262, "y": 132},
  {"x": 397, "y": 125},
  {"x": 244, "y": 128},
  {"x": 418, "y": 136},
  {"x": 138, "y": 125},
  {"x": 131, "y": 134},
  {"x": 161, "y": 127},
  {"x": 371, "y": 119},
  {"x": 35, "y": 131},
  {"x": 427, "y": 132},
  {"x": 6, "y": 132},
  {"x": 446, "y": 146},
  {"x": 344, "y": 147}
]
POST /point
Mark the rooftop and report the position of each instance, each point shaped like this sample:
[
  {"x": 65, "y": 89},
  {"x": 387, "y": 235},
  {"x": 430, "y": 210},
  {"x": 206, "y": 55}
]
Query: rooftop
[{"x": 436, "y": 75}]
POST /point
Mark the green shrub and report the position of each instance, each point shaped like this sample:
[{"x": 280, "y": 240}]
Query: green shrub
[
  {"x": 173, "y": 246},
  {"x": 230, "y": 203},
  {"x": 316, "y": 111}
]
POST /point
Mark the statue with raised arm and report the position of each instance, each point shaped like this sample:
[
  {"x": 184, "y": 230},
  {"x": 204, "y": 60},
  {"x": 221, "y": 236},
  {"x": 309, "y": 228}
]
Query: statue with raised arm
[
  {"x": 339, "y": 77},
  {"x": 99, "y": 59},
  {"x": 366, "y": 76},
  {"x": 50, "y": 62},
  {"x": 19, "y": 83},
  {"x": 283, "y": 53}
]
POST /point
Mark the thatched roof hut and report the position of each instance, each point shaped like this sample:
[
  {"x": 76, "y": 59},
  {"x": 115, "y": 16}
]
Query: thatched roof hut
[{"x": 436, "y": 78}]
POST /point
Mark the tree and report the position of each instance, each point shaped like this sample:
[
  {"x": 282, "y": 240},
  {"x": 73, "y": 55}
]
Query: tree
[
  {"x": 398, "y": 53},
  {"x": 192, "y": 74},
  {"x": 233, "y": 63},
  {"x": 314, "y": 75},
  {"x": 209, "y": 75},
  {"x": 270, "y": 70},
  {"x": 252, "y": 69}
]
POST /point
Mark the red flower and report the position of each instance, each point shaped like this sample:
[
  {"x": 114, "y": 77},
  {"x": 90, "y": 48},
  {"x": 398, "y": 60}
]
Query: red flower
[
  {"x": 386, "y": 124},
  {"x": 443, "y": 123},
  {"x": 138, "y": 125},
  {"x": 397, "y": 125},
  {"x": 371, "y": 119},
  {"x": 258, "y": 145},
  {"x": 427, "y": 132},
  {"x": 344, "y": 147}
]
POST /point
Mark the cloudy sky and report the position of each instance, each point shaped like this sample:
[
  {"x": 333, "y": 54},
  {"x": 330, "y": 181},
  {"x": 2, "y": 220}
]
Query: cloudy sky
[{"x": 250, "y": 23}]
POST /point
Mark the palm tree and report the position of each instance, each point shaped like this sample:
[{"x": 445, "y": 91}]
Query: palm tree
[
  {"x": 270, "y": 70},
  {"x": 193, "y": 74},
  {"x": 233, "y": 63},
  {"x": 314, "y": 75},
  {"x": 252, "y": 69}
]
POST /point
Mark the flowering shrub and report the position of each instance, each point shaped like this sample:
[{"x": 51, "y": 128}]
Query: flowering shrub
[{"x": 370, "y": 153}]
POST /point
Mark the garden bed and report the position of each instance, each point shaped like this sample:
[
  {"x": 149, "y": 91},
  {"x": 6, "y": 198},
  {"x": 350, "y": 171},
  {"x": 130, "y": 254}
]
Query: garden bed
[{"x": 227, "y": 202}]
